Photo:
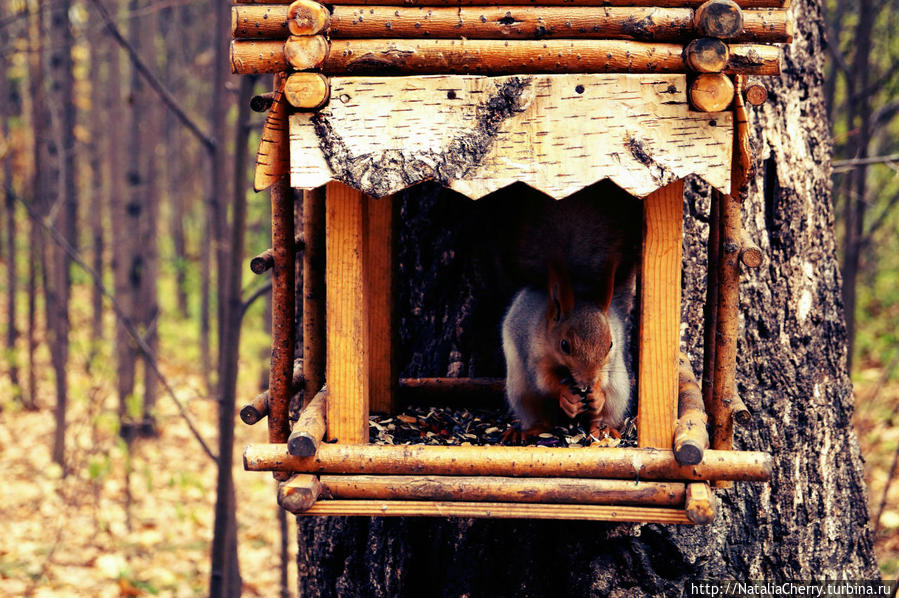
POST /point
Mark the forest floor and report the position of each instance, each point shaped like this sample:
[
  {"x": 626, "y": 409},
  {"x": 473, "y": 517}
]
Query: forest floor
[
  {"x": 877, "y": 423},
  {"x": 89, "y": 533}
]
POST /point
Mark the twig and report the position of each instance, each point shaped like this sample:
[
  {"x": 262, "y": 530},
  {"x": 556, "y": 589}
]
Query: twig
[
  {"x": 847, "y": 165},
  {"x": 165, "y": 95},
  {"x": 261, "y": 291},
  {"x": 145, "y": 350}
]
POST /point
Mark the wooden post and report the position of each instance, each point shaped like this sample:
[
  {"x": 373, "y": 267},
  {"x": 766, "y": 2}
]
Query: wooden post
[
  {"x": 313, "y": 292},
  {"x": 701, "y": 505},
  {"x": 379, "y": 292},
  {"x": 660, "y": 295},
  {"x": 691, "y": 438},
  {"x": 347, "y": 363}
]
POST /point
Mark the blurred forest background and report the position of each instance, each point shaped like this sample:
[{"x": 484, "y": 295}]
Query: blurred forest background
[{"x": 126, "y": 225}]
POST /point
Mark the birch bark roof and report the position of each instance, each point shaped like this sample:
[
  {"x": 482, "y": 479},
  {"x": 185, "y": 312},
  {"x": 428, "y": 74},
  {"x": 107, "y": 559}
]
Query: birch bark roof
[{"x": 475, "y": 134}]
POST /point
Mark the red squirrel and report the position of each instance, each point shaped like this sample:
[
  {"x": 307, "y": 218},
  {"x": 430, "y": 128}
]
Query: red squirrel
[
  {"x": 565, "y": 349},
  {"x": 565, "y": 339}
]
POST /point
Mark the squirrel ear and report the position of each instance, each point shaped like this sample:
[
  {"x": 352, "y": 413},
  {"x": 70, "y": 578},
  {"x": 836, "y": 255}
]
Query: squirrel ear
[
  {"x": 561, "y": 294},
  {"x": 607, "y": 285}
]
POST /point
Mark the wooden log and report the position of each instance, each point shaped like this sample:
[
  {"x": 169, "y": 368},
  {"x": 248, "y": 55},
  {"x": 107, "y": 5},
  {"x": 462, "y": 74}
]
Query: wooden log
[
  {"x": 307, "y": 91},
  {"x": 701, "y": 504},
  {"x": 346, "y": 360},
  {"x": 494, "y": 510},
  {"x": 724, "y": 385},
  {"x": 283, "y": 310},
  {"x": 250, "y": 57},
  {"x": 719, "y": 18},
  {"x": 750, "y": 254},
  {"x": 691, "y": 438},
  {"x": 504, "y": 489},
  {"x": 456, "y": 3},
  {"x": 711, "y": 92},
  {"x": 254, "y": 411},
  {"x": 516, "y": 461},
  {"x": 707, "y": 55},
  {"x": 314, "y": 291},
  {"x": 259, "y": 22},
  {"x": 738, "y": 410},
  {"x": 299, "y": 493},
  {"x": 309, "y": 429},
  {"x": 660, "y": 316},
  {"x": 528, "y": 22},
  {"x": 510, "y": 22},
  {"x": 305, "y": 17},
  {"x": 497, "y": 57},
  {"x": 262, "y": 102},
  {"x": 266, "y": 260},
  {"x": 379, "y": 306},
  {"x": 755, "y": 94},
  {"x": 304, "y": 52}
]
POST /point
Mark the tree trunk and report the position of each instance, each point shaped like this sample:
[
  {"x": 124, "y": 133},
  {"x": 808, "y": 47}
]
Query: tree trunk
[
  {"x": 225, "y": 580},
  {"x": 100, "y": 50},
  {"x": 809, "y": 522},
  {"x": 64, "y": 192},
  {"x": 6, "y": 113}
]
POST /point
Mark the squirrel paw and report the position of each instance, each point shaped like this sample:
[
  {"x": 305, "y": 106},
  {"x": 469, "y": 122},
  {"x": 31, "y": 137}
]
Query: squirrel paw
[{"x": 572, "y": 403}]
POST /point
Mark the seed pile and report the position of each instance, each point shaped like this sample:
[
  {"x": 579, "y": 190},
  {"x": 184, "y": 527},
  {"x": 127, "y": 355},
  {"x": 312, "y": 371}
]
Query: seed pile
[{"x": 479, "y": 427}]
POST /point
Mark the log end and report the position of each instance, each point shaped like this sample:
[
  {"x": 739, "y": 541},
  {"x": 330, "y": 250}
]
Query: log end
[
  {"x": 299, "y": 493},
  {"x": 259, "y": 265},
  {"x": 307, "y": 91},
  {"x": 707, "y": 55},
  {"x": 755, "y": 94},
  {"x": 250, "y": 415},
  {"x": 688, "y": 452},
  {"x": 711, "y": 92},
  {"x": 305, "y": 17},
  {"x": 719, "y": 18},
  {"x": 301, "y": 444},
  {"x": 306, "y": 52},
  {"x": 751, "y": 257},
  {"x": 701, "y": 505}
]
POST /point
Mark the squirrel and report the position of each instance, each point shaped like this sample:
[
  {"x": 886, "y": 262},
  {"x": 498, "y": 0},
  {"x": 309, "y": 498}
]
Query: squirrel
[
  {"x": 566, "y": 348},
  {"x": 565, "y": 335}
]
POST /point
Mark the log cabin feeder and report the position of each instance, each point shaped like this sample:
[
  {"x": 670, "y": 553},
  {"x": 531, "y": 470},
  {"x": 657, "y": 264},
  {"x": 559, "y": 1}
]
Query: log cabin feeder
[{"x": 374, "y": 96}]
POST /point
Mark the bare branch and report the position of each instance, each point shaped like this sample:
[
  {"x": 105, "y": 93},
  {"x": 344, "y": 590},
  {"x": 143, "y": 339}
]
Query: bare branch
[
  {"x": 260, "y": 292},
  {"x": 847, "y": 165},
  {"x": 164, "y": 94},
  {"x": 142, "y": 346}
]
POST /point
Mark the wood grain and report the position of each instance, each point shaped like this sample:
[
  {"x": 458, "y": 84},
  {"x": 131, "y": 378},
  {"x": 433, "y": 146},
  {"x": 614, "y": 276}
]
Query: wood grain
[
  {"x": 660, "y": 316},
  {"x": 347, "y": 371},
  {"x": 493, "y": 510},
  {"x": 711, "y": 92},
  {"x": 379, "y": 287},
  {"x": 650, "y": 3},
  {"x": 638, "y": 131}
]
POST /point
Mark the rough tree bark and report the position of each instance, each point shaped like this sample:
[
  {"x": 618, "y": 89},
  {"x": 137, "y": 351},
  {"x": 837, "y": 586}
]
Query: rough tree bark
[{"x": 810, "y": 522}]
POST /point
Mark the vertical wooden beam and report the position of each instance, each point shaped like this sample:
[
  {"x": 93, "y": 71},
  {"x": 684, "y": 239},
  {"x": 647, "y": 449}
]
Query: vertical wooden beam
[
  {"x": 313, "y": 292},
  {"x": 660, "y": 294},
  {"x": 379, "y": 293},
  {"x": 283, "y": 310},
  {"x": 346, "y": 369}
]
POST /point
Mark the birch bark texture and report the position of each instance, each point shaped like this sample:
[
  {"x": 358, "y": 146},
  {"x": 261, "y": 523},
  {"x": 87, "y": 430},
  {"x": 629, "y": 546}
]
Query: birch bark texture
[{"x": 810, "y": 522}]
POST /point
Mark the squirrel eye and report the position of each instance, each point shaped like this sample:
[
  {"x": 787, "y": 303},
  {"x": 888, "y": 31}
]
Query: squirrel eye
[
  {"x": 566, "y": 347},
  {"x": 610, "y": 345}
]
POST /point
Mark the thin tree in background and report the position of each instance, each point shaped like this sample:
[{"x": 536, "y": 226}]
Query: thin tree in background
[
  {"x": 38, "y": 199},
  {"x": 64, "y": 194},
  {"x": 99, "y": 164},
  {"x": 7, "y": 105},
  {"x": 225, "y": 580}
]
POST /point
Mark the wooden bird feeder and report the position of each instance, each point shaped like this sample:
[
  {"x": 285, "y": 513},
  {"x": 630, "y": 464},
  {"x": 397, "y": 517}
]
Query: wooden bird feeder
[{"x": 375, "y": 96}]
